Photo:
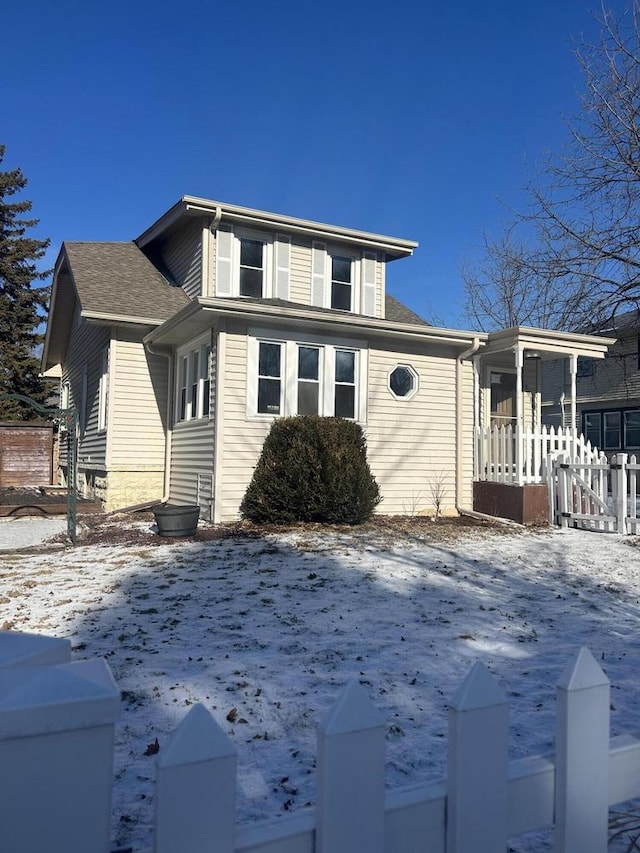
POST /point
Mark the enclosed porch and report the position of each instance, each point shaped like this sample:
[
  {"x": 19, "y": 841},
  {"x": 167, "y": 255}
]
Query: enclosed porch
[{"x": 512, "y": 447}]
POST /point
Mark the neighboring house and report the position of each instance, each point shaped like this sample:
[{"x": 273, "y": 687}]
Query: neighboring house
[
  {"x": 180, "y": 348},
  {"x": 607, "y": 392}
]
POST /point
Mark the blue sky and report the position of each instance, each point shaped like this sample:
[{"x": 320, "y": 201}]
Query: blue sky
[{"x": 416, "y": 119}]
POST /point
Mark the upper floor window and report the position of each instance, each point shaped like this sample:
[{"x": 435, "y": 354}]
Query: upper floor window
[
  {"x": 344, "y": 279},
  {"x": 193, "y": 383},
  {"x": 341, "y": 283},
  {"x": 252, "y": 272},
  {"x": 288, "y": 377},
  {"x": 252, "y": 263}
]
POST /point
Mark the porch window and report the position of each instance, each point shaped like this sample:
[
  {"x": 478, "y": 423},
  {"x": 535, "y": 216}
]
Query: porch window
[
  {"x": 632, "y": 429},
  {"x": 611, "y": 429},
  {"x": 591, "y": 428}
]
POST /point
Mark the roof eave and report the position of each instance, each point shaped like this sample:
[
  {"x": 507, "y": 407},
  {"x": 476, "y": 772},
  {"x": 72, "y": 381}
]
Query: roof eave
[
  {"x": 169, "y": 332},
  {"x": 192, "y": 205}
]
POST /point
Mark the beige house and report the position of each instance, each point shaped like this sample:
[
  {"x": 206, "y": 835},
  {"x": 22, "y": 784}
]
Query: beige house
[{"x": 179, "y": 349}]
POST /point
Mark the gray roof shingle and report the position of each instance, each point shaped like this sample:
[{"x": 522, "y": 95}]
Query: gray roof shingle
[{"x": 118, "y": 279}]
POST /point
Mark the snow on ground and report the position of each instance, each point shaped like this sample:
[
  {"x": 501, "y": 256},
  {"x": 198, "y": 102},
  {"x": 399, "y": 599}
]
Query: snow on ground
[{"x": 275, "y": 625}]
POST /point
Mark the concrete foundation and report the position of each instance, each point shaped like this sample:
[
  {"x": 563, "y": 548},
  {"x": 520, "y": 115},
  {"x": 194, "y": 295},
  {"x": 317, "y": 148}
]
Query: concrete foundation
[{"x": 525, "y": 504}]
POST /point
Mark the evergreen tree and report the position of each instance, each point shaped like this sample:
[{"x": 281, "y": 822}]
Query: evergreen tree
[{"x": 22, "y": 301}]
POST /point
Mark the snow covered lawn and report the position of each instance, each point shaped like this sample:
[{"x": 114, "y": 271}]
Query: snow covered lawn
[{"x": 265, "y": 630}]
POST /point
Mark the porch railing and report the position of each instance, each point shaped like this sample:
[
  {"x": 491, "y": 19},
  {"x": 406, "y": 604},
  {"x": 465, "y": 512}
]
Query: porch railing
[{"x": 518, "y": 455}]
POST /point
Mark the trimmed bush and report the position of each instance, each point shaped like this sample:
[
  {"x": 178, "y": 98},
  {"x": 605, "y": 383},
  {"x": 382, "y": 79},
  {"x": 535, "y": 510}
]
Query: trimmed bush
[{"x": 312, "y": 469}]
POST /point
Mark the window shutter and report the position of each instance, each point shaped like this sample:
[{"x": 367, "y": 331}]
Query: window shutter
[
  {"x": 224, "y": 261},
  {"x": 318, "y": 274},
  {"x": 368, "y": 301},
  {"x": 283, "y": 266}
]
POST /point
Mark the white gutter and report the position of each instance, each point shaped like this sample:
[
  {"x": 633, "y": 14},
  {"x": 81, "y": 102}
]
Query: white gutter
[
  {"x": 472, "y": 350},
  {"x": 166, "y": 483}
]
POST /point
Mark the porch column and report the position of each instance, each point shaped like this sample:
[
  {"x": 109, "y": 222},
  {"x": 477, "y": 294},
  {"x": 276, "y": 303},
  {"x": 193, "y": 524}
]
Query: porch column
[
  {"x": 477, "y": 420},
  {"x": 573, "y": 372},
  {"x": 519, "y": 414}
]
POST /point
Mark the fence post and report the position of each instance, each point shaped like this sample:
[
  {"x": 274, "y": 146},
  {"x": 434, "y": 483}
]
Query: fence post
[
  {"x": 477, "y": 804},
  {"x": 582, "y": 757},
  {"x": 196, "y": 788},
  {"x": 350, "y": 776},
  {"x": 619, "y": 468},
  {"x": 17, "y": 649},
  {"x": 56, "y": 757}
]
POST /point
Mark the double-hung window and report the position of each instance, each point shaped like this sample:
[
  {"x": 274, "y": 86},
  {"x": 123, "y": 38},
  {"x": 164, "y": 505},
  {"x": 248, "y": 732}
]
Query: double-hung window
[
  {"x": 290, "y": 377},
  {"x": 270, "y": 378},
  {"x": 341, "y": 283},
  {"x": 344, "y": 279},
  {"x": 193, "y": 383},
  {"x": 308, "y": 380},
  {"x": 252, "y": 269},
  {"x": 345, "y": 384},
  {"x": 252, "y": 263}
]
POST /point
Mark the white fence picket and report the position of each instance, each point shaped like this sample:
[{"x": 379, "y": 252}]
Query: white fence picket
[
  {"x": 350, "y": 776},
  {"x": 195, "y": 788},
  {"x": 477, "y": 782},
  {"x": 582, "y": 758}
]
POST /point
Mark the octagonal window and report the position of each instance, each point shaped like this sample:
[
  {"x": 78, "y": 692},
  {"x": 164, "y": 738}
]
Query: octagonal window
[{"x": 403, "y": 382}]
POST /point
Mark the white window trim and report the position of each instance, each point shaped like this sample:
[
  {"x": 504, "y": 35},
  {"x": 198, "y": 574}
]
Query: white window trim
[
  {"x": 289, "y": 372},
  {"x": 416, "y": 382},
  {"x": 358, "y": 283},
  {"x": 196, "y": 347},
  {"x": 268, "y": 261}
]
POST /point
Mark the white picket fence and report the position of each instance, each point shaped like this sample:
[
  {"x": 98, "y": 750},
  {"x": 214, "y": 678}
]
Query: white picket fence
[
  {"x": 599, "y": 494},
  {"x": 56, "y": 757},
  {"x": 507, "y": 454}
]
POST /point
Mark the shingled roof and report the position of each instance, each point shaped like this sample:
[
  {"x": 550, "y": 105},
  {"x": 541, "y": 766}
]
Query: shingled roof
[
  {"x": 117, "y": 279},
  {"x": 398, "y": 312}
]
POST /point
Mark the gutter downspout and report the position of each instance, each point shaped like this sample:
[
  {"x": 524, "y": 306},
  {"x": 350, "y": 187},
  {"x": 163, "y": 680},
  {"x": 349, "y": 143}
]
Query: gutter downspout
[
  {"x": 472, "y": 350},
  {"x": 167, "y": 439}
]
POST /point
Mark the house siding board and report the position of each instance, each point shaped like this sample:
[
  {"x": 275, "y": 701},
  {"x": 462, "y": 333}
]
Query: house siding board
[
  {"x": 92, "y": 340},
  {"x": 241, "y": 438},
  {"x": 411, "y": 443},
  {"x": 182, "y": 255},
  {"x": 139, "y": 405},
  {"x": 191, "y": 455}
]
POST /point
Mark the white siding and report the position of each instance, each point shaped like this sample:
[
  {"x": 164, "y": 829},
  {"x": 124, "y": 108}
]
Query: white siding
[
  {"x": 182, "y": 255},
  {"x": 412, "y": 443},
  {"x": 138, "y": 401},
  {"x": 241, "y": 438},
  {"x": 192, "y": 454},
  {"x": 86, "y": 345},
  {"x": 300, "y": 284}
]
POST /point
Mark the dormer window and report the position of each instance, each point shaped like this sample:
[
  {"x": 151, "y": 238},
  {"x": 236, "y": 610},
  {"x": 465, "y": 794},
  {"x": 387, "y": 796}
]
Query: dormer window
[
  {"x": 344, "y": 279},
  {"x": 252, "y": 263},
  {"x": 341, "y": 283},
  {"x": 252, "y": 254}
]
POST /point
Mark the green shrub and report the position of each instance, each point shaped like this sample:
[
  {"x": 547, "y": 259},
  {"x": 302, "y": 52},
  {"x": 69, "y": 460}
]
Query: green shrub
[{"x": 312, "y": 469}]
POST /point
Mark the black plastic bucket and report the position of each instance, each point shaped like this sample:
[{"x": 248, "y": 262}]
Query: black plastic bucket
[{"x": 177, "y": 520}]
